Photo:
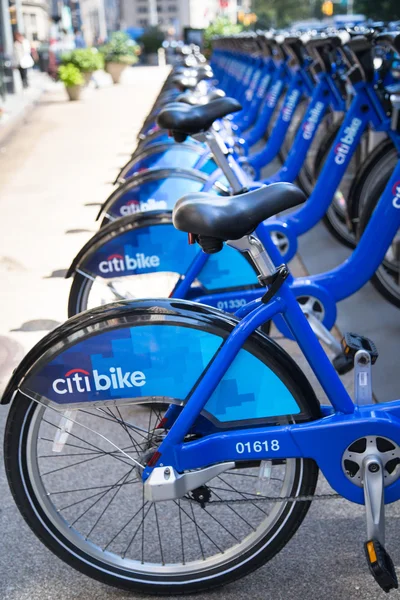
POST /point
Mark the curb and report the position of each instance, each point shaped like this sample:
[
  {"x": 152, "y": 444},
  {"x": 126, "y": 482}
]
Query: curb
[{"x": 11, "y": 123}]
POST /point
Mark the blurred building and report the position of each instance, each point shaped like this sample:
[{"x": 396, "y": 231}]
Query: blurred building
[
  {"x": 244, "y": 5},
  {"x": 6, "y": 50},
  {"x": 35, "y": 14},
  {"x": 94, "y": 24},
  {"x": 175, "y": 15},
  {"x": 29, "y": 17},
  {"x": 112, "y": 15}
]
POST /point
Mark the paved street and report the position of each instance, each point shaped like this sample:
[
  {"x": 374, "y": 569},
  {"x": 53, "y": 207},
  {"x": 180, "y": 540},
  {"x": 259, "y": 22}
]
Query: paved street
[{"x": 53, "y": 174}]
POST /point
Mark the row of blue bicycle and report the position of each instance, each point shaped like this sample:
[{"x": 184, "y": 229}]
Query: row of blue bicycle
[{"x": 187, "y": 441}]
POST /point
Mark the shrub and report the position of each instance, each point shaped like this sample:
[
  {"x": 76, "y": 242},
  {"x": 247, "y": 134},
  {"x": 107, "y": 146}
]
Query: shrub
[
  {"x": 86, "y": 60},
  {"x": 151, "y": 40},
  {"x": 120, "y": 49},
  {"x": 70, "y": 75},
  {"x": 221, "y": 26}
]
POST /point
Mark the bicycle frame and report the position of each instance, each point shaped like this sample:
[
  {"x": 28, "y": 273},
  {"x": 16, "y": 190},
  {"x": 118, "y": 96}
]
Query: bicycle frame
[
  {"x": 273, "y": 88},
  {"x": 364, "y": 109},
  {"x": 338, "y": 427},
  {"x": 255, "y": 94},
  {"x": 298, "y": 86},
  {"x": 348, "y": 278},
  {"x": 324, "y": 95},
  {"x": 330, "y": 287},
  {"x": 343, "y": 281}
]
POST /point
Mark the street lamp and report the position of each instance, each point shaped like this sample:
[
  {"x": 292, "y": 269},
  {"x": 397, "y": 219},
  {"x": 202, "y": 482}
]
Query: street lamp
[{"x": 153, "y": 17}]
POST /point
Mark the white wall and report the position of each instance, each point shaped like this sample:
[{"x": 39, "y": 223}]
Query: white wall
[
  {"x": 36, "y": 20},
  {"x": 191, "y": 13},
  {"x": 204, "y": 12},
  {"x": 93, "y": 20}
]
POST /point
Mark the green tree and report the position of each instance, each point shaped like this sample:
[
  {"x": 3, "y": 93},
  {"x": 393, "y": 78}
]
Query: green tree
[
  {"x": 280, "y": 13},
  {"x": 152, "y": 40},
  {"x": 384, "y": 10},
  {"x": 221, "y": 26}
]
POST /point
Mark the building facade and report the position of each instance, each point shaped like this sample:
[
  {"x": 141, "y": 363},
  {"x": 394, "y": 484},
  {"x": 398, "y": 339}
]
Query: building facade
[
  {"x": 11, "y": 19},
  {"x": 174, "y": 15},
  {"x": 36, "y": 21},
  {"x": 94, "y": 24}
]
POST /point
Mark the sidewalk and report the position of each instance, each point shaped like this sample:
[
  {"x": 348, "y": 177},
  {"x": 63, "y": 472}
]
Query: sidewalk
[
  {"x": 17, "y": 106},
  {"x": 55, "y": 171}
]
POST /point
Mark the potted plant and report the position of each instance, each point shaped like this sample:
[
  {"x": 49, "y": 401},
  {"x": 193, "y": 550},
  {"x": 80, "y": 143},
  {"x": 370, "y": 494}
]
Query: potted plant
[
  {"x": 119, "y": 53},
  {"x": 73, "y": 80},
  {"x": 87, "y": 60},
  {"x": 151, "y": 41}
]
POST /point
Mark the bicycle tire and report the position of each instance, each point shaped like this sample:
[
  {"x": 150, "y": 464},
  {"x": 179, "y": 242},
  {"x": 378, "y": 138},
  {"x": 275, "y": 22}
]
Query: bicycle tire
[
  {"x": 18, "y": 437},
  {"x": 375, "y": 184}
]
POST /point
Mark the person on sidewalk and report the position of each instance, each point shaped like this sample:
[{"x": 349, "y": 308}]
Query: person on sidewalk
[
  {"x": 22, "y": 57},
  {"x": 79, "y": 39}
]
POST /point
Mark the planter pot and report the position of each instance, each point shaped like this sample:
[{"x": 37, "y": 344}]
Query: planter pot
[
  {"x": 87, "y": 77},
  {"x": 74, "y": 92},
  {"x": 115, "y": 70}
]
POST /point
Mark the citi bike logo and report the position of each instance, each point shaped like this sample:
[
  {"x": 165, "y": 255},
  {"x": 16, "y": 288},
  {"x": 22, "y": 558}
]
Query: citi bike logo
[
  {"x": 247, "y": 76},
  {"x": 343, "y": 147},
  {"x": 289, "y": 105},
  {"x": 263, "y": 86},
  {"x": 116, "y": 263},
  {"x": 273, "y": 94},
  {"x": 135, "y": 206},
  {"x": 81, "y": 381},
  {"x": 311, "y": 123},
  {"x": 253, "y": 85},
  {"x": 396, "y": 194}
]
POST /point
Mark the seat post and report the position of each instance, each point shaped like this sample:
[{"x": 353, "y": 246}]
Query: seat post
[
  {"x": 253, "y": 246},
  {"x": 221, "y": 153}
]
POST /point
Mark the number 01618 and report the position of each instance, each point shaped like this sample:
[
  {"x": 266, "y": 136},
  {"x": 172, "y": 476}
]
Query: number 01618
[{"x": 247, "y": 447}]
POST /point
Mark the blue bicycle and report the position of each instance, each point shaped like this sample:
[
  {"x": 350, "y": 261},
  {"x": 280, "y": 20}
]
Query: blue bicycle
[
  {"x": 164, "y": 446},
  {"x": 162, "y": 263}
]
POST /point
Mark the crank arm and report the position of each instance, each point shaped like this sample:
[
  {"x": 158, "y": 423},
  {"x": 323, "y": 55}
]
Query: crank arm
[
  {"x": 379, "y": 561},
  {"x": 373, "y": 479},
  {"x": 323, "y": 333}
]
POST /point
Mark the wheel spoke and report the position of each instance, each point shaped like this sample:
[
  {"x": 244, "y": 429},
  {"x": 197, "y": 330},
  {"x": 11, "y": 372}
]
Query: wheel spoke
[
  {"x": 140, "y": 526},
  {"x": 200, "y": 528},
  {"x": 232, "y": 509},
  {"x": 93, "y": 487},
  {"x": 105, "y": 508},
  {"x": 197, "y": 530},
  {"x": 118, "y": 487},
  {"x": 181, "y": 531},
  {"x": 241, "y": 494},
  {"x": 129, "y": 521},
  {"x": 159, "y": 534}
]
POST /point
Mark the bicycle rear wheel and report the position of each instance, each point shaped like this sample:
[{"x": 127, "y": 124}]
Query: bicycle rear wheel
[
  {"x": 81, "y": 493},
  {"x": 336, "y": 218},
  {"x": 387, "y": 277}
]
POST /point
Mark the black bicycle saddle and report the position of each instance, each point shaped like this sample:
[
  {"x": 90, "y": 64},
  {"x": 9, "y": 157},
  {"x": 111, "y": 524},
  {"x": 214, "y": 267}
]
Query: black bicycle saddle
[
  {"x": 186, "y": 119},
  {"x": 232, "y": 217}
]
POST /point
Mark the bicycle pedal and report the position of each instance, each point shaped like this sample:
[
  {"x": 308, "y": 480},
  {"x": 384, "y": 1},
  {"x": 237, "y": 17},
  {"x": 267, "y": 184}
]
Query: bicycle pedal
[
  {"x": 381, "y": 565},
  {"x": 352, "y": 343},
  {"x": 342, "y": 363}
]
